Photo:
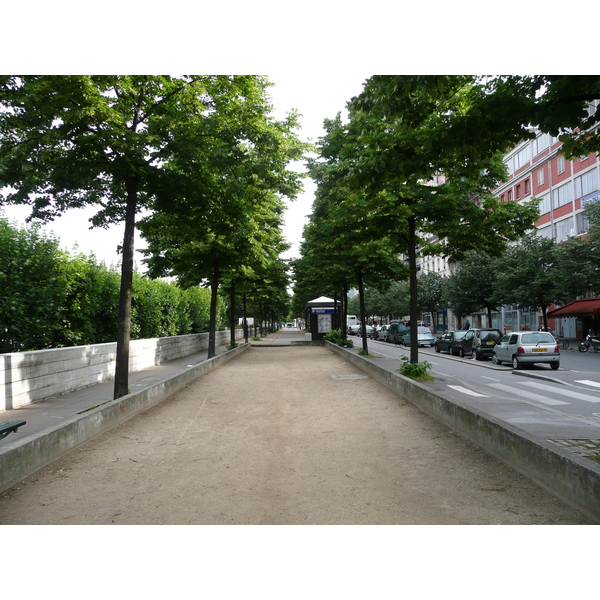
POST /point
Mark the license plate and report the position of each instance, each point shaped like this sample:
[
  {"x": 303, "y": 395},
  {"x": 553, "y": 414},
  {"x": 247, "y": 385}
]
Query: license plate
[
  {"x": 490, "y": 343},
  {"x": 539, "y": 349}
]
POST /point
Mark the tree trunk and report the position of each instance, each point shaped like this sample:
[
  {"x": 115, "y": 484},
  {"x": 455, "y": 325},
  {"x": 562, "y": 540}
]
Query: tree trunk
[
  {"x": 345, "y": 312},
  {"x": 121, "y": 387},
  {"x": 232, "y": 307},
  {"x": 245, "y": 320},
  {"x": 362, "y": 310},
  {"x": 212, "y": 328},
  {"x": 414, "y": 307}
]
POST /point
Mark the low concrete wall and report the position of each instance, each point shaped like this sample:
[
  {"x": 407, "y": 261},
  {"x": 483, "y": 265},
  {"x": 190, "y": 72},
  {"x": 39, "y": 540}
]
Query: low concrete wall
[
  {"x": 20, "y": 459},
  {"x": 575, "y": 480},
  {"x": 27, "y": 377}
]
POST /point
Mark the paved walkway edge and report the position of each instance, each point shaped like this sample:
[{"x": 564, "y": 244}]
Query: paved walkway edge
[
  {"x": 21, "y": 459},
  {"x": 573, "y": 479}
]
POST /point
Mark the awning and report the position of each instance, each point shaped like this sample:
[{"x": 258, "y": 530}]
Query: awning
[{"x": 579, "y": 308}]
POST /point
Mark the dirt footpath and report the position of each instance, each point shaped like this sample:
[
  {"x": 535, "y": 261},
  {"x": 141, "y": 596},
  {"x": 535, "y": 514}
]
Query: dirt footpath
[{"x": 281, "y": 435}]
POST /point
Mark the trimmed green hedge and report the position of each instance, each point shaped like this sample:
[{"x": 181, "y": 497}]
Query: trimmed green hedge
[{"x": 51, "y": 299}]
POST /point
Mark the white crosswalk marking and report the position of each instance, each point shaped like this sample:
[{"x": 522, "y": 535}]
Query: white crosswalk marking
[
  {"x": 588, "y": 382},
  {"x": 465, "y": 390},
  {"x": 526, "y": 394},
  {"x": 563, "y": 391}
]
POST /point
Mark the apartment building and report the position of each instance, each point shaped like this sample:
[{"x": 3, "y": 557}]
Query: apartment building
[{"x": 536, "y": 169}]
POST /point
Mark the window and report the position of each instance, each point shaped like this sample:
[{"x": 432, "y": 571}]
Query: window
[
  {"x": 502, "y": 198},
  {"x": 545, "y": 205},
  {"x": 586, "y": 184},
  {"x": 509, "y": 195},
  {"x": 527, "y": 187},
  {"x": 545, "y": 232},
  {"x": 582, "y": 224},
  {"x": 560, "y": 164},
  {"x": 522, "y": 157},
  {"x": 564, "y": 229},
  {"x": 541, "y": 143},
  {"x": 541, "y": 177},
  {"x": 562, "y": 195},
  {"x": 518, "y": 192}
]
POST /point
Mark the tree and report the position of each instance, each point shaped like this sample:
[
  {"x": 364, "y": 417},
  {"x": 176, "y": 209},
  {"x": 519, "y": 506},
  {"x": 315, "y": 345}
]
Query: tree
[
  {"x": 472, "y": 286},
  {"x": 502, "y": 111},
  {"x": 110, "y": 141},
  {"x": 225, "y": 222},
  {"x": 431, "y": 289},
  {"x": 397, "y": 156},
  {"x": 526, "y": 275}
]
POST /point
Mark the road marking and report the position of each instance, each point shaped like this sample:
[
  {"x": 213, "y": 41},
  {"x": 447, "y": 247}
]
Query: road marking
[
  {"x": 464, "y": 390},
  {"x": 563, "y": 392},
  {"x": 588, "y": 382},
  {"x": 490, "y": 378},
  {"x": 526, "y": 394}
]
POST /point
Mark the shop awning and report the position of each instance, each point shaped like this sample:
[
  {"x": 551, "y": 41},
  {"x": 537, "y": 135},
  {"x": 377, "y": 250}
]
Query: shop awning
[{"x": 579, "y": 308}]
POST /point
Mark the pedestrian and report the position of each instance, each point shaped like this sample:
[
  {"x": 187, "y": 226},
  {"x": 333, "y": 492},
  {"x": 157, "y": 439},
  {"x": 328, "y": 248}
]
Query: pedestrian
[{"x": 467, "y": 324}]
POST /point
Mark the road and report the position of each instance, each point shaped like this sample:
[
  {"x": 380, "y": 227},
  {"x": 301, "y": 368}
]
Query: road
[{"x": 573, "y": 389}]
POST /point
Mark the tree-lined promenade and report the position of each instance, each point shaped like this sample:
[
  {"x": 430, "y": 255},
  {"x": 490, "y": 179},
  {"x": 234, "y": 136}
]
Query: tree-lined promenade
[
  {"x": 200, "y": 154},
  {"x": 412, "y": 171},
  {"x": 209, "y": 166}
]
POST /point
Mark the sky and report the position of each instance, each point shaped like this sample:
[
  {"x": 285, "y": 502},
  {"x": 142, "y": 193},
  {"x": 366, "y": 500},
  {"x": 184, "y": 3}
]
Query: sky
[{"x": 316, "y": 96}]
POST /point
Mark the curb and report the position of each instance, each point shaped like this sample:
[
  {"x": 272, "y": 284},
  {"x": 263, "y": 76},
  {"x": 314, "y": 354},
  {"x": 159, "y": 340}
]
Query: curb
[
  {"x": 21, "y": 459},
  {"x": 574, "y": 480}
]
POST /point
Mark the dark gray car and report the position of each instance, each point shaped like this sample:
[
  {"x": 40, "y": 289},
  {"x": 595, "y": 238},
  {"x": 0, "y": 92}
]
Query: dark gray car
[{"x": 480, "y": 343}]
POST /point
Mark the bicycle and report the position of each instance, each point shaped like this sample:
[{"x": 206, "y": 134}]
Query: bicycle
[{"x": 563, "y": 343}]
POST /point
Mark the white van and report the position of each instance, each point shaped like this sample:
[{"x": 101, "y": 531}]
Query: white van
[{"x": 352, "y": 324}]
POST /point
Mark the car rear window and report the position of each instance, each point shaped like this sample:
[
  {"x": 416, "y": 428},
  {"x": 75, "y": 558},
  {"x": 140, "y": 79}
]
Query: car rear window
[
  {"x": 459, "y": 335},
  {"x": 537, "y": 338},
  {"x": 491, "y": 334},
  {"x": 423, "y": 330}
]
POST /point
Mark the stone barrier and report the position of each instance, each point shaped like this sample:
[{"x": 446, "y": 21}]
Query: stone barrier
[{"x": 27, "y": 377}]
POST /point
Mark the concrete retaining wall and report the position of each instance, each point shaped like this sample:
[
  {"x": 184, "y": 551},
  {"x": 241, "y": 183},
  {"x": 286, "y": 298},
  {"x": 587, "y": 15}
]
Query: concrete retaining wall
[
  {"x": 573, "y": 479},
  {"x": 27, "y": 377},
  {"x": 20, "y": 459}
]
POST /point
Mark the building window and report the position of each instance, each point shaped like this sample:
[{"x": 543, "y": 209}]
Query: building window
[
  {"x": 564, "y": 229},
  {"x": 509, "y": 195},
  {"x": 545, "y": 232},
  {"x": 527, "y": 188},
  {"x": 541, "y": 143},
  {"x": 541, "y": 177},
  {"x": 502, "y": 198},
  {"x": 582, "y": 224},
  {"x": 562, "y": 195},
  {"x": 560, "y": 164},
  {"x": 518, "y": 192},
  {"x": 586, "y": 184},
  {"x": 544, "y": 205}
]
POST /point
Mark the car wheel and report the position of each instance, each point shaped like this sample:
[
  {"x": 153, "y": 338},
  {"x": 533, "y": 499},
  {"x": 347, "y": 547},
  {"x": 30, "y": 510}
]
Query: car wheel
[
  {"x": 516, "y": 364},
  {"x": 437, "y": 348},
  {"x": 495, "y": 360},
  {"x": 555, "y": 366},
  {"x": 476, "y": 355},
  {"x": 462, "y": 352}
]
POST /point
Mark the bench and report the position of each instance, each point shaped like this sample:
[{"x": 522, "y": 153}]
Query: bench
[{"x": 7, "y": 427}]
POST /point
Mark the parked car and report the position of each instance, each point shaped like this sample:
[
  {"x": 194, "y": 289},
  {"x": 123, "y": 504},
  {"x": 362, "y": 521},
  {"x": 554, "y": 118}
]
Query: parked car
[
  {"x": 527, "y": 347},
  {"x": 424, "y": 337},
  {"x": 368, "y": 329},
  {"x": 382, "y": 333},
  {"x": 396, "y": 331},
  {"x": 480, "y": 343},
  {"x": 449, "y": 341}
]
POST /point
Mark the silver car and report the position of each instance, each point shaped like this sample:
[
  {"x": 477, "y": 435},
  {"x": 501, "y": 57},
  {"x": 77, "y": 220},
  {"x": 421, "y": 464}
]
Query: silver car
[
  {"x": 527, "y": 347},
  {"x": 424, "y": 338}
]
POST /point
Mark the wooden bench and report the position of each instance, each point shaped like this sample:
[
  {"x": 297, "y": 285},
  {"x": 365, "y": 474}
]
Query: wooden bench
[{"x": 7, "y": 427}]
